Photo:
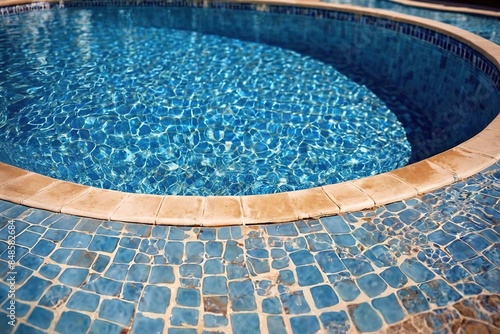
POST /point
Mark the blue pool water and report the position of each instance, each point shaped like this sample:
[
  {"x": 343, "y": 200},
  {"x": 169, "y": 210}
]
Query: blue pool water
[
  {"x": 204, "y": 101},
  {"x": 115, "y": 102}
]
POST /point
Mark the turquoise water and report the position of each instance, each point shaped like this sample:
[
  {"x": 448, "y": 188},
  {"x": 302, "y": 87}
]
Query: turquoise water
[{"x": 113, "y": 101}]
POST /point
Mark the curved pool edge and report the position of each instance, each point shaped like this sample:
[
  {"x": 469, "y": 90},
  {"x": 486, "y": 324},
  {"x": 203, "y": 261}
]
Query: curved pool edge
[{"x": 483, "y": 150}]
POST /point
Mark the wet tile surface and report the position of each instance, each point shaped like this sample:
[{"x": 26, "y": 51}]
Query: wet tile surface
[{"x": 430, "y": 263}]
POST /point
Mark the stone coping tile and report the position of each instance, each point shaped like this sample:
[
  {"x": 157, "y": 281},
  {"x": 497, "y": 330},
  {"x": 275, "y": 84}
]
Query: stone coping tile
[
  {"x": 181, "y": 210},
  {"x": 102, "y": 203},
  {"x": 24, "y": 186},
  {"x": 8, "y": 172},
  {"x": 138, "y": 208},
  {"x": 424, "y": 176},
  {"x": 488, "y": 143},
  {"x": 312, "y": 203},
  {"x": 385, "y": 188},
  {"x": 54, "y": 197},
  {"x": 348, "y": 197},
  {"x": 222, "y": 210},
  {"x": 461, "y": 162},
  {"x": 275, "y": 208}
]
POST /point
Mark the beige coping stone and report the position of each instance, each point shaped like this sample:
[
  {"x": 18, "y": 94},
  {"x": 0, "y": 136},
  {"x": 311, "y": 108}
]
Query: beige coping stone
[
  {"x": 487, "y": 143},
  {"x": 181, "y": 210},
  {"x": 495, "y": 124},
  {"x": 462, "y": 162},
  {"x": 138, "y": 208},
  {"x": 385, "y": 188},
  {"x": 95, "y": 203},
  {"x": 348, "y": 197},
  {"x": 274, "y": 208},
  {"x": 449, "y": 7},
  {"x": 424, "y": 176},
  {"x": 312, "y": 203},
  {"x": 24, "y": 186},
  {"x": 54, "y": 197},
  {"x": 222, "y": 211},
  {"x": 8, "y": 172}
]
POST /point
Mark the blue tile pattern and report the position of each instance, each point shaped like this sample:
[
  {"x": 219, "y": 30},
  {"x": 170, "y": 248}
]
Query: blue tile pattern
[{"x": 214, "y": 279}]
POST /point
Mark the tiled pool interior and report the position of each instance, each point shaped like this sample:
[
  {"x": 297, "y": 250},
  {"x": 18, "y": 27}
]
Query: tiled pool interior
[{"x": 429, "y": 264}]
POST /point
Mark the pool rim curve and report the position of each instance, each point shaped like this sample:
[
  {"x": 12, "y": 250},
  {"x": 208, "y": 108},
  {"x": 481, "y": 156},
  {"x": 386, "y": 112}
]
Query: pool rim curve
[{"x": 464, "y": 160}]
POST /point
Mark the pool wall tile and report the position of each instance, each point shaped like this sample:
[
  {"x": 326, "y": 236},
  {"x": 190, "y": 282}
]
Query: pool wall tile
[
  {"x": 179, "y": 210},
  {"x": 348, "y": 197},
  {"x": 266, "y": 208},
  {"x": 138, "y": 208},
  {"x": 54, "y": 197},
  {"x": 222, "y": 210}
]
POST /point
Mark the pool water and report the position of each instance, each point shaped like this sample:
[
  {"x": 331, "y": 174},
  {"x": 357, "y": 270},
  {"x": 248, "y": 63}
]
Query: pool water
[{"x": 101, "y": 97}]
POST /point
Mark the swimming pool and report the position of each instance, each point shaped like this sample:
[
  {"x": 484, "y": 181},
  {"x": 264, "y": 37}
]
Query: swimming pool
[
  {"x": 240, "y": 114},
  {"x": 429, "y": 75}
]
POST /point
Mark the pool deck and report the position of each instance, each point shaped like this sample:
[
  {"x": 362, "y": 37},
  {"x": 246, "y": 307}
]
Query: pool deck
[{"x": 413, "y": 250}]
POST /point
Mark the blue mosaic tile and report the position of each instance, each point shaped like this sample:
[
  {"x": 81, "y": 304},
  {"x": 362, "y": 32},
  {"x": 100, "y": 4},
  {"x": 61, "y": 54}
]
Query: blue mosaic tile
[
  {"x": 381, "y": 256},
  {"x": 236, "y": 271},
  {"x": 33, "y": 289},
  {"x": 101, "y": 263},
  {"x": 271, "y": 305},
  {"x": 99, "y": 326},
  {"x": 241, "y": 295},
  {"x": 439, "y": 292},
  {"x": 213, "y": 267},
  {"x": 335, "y": 225},
  {"x": 287, "y": 229},
  {"x": 214, "y": 249},
  {"x": 27, "y": 238},
  {"x": 124, "y": 255},
  {"x": 83, "y": 301},
  {"x": 155, "y": 299},
  {"x": 489, "y": 280},
  {"x": 294, "y": 244},
  {"x": 329, "y": 262},
  {"x": 116, "y": 311},
  {"x": 413, "y": 300},
  {"x": 215, "y": 304},
  {"x": 41, "y": 317},
  {"x": 365, "y": 318},
  {"x": 477, "y": 265},
  {"x": 129, "y": 242},
  {"x": 117, "y": 271},
  {"x": 257, "y": 266},
  {"x": 103, "y": 244},
  {"x": 174, "y": 251},
  {"x": 416, "y": 271},
  {"x": 143, "y": 324},
  {"x": 335, "y": 321},
  {"x": 81, "y": 258},
  {"x": 103, "y": 286},
  {"x": 347, "y": 290},
  {"x": 31, "y": 261},
  {"x": 456, "y": 274},
  {"x": 132, "y": 291},
  {"x": 190, "y": 270},
  {"x": 55, "y": 235},
  {"x": 43, "y": 247},
  {"x": 308, "y": 275},
  {"x": 25, "y": 329},
  {"x": 468, "y": 289},
  {"x": 76, "y": 240},
  {"x": 276, "y": 325},
  {"x": 389, "y": 308},
  {"x": 490, "y": 235},
  {"x": 460, "y": 251},
  {"x": 162, "y": 274},
  {"x": 295, "y": 303},
  {"x": 211, "y": 320},
  {"x": 65, "y": 222},
  {"x": 214, "y": 285},
  {"x": 344, "y": 240},
  {"x": 245, "y": 323},
  {"x": 138, "y": 273},
  {"x": 309, "y": 226},
  {"x": 189, "y": 297},
  {"x": 441, "y": 237},
  {"x": 56, "y": 295},
  {"x": 493, "y": 254},
  {"x": 73, "y": 276},
  {"x": 73, "y": 322},
  {"x": 21, "y": 274},
  {"x": 394, "y": 277},
  {"x": 319, "y": 241},
  {"x": 324, "y": 296},
  {"x": 184, "y": 316},
  {"x": 372, "y": 285},
  {"x": 304, "y": 324},
  {"x": 358, "y": 266},
  {"x": 88, "y": 225}
]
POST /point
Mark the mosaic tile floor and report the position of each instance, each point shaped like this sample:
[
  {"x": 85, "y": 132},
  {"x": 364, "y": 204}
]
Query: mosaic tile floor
[{"x": 429, "y": 264}]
